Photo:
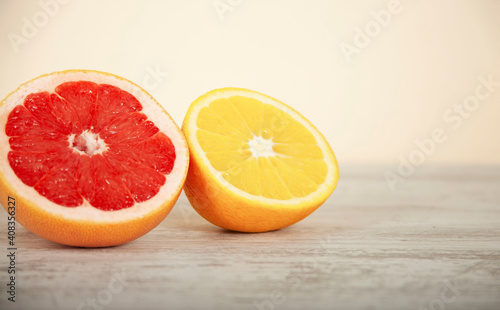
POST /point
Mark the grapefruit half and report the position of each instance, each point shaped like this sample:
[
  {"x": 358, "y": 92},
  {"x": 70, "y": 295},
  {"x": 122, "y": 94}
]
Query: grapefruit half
[{"x": 88, "y": 158}]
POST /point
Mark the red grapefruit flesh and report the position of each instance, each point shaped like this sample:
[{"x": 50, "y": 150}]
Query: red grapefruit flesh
[{"x": 89, "y": 150}]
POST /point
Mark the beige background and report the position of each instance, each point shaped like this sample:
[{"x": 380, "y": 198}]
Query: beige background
[{"x": 371, "y": 109}]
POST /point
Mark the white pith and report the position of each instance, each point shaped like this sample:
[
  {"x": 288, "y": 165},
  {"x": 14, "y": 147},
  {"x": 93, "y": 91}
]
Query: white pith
[
  {"x": 87, "y": 143},
  {"x": 261, "y": 147},
  {"x": 151, "y": 109},
  {"x": 323, "y": 190}
]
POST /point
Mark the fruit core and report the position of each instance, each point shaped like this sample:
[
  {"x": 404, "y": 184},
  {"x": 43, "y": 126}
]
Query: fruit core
[
  {"x": 261, "y": 147},
  {"x": 87, "y": 142}
]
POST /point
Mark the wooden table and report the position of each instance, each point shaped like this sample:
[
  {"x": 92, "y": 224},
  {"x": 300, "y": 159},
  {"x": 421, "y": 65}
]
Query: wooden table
[{"x": 433, "y": 243}]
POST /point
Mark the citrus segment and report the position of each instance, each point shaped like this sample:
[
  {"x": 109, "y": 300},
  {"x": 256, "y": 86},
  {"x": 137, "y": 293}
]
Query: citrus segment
[
  {"x": 255, "y": 151},
  {"x": 93, "y": 145},
  {"x": 299, "y": 184},
  {"x": 250, "y": 110},
  {"x": 247, "y": 167},
  {"x": 316, "y": 170}
]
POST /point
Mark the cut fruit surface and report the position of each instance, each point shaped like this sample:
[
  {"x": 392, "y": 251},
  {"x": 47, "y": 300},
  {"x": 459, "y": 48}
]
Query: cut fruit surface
[
  {"x": 86, "y": 153},
  {"x": 256, "y": 164}
]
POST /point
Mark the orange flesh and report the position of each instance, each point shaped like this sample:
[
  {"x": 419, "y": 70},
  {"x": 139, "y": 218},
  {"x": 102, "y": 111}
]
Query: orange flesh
[{"x": 260, "y": 149}]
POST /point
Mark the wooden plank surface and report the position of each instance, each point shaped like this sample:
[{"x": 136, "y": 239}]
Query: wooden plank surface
[{"x": 433, "y": 243}]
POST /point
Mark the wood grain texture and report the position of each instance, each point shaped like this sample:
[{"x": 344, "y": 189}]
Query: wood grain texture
[{"x": 433, "y": 243}]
